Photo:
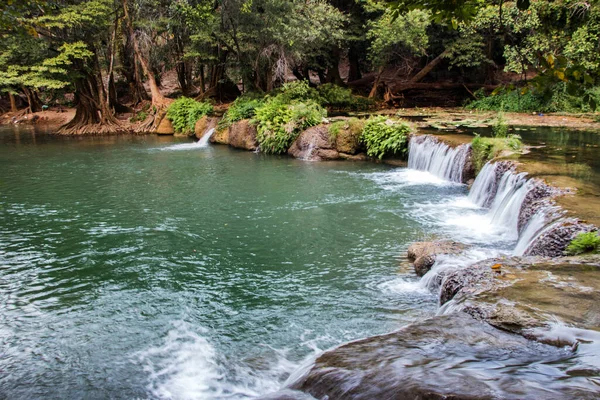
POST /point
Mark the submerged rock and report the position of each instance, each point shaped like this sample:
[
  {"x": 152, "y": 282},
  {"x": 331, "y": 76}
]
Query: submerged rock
[
  {"x": 314, "y": 144},
  {"x": 242, "y": 135},
  {"x": 453, "y": 356},
  {"x": 424, "y": 254}
]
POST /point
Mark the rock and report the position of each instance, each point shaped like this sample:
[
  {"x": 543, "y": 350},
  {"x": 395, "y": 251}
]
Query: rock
[
  {"x": 424, "y": 254},
  {"x": 554, "y": 242},
  {"x": 242, "y": 135},
  {"x": 527, "y": 292},
  {"x": 468, "y": 173},
  {"x": 536, "y": 199},
  {"x": 347, "y": 142},
  {"x": 220, "y": 136},
  {"x": 165, "y": 127},
  {"x": 314, "y": 144},
  {"x": 352, "y": 157},
  {"x": 448, "y": 357}
]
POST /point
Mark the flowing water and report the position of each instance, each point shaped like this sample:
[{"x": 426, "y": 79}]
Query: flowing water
[{"x": 149, "y": 267}]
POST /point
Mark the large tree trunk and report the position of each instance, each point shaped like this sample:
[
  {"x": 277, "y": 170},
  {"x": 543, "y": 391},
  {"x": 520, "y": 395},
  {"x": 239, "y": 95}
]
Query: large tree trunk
[
  {"x": 354, "y": 65},
  {"x": 93, "y": 114},
  {"x": 333, "y": 72}
]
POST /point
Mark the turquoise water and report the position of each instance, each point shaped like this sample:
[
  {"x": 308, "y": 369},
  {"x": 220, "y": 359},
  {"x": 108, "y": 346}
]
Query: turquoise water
[{"x": 133, "y": 267}]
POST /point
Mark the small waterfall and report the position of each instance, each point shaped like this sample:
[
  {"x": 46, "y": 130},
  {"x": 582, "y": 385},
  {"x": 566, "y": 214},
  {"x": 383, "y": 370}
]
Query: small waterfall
[
  {"x": 203, "y": 142},
  {"x": 429, "y": 154},
  {"x": 484, "y": 187},
  {"x": 544, "y": 220}
]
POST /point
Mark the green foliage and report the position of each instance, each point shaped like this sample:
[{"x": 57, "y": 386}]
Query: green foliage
[
  {"x": 500, "y": 126},
  {"x": 383, "y": 136},
  {"x": 243, "y": 107},
  {"x": 279, "y": 122},
  {"x": 139, "y": 117},
  {"x": 334, "y": 96},
  {"x": 185, "y": 112},
  {"x": 486, "y": 148},
  {"x": 395, "y": 36},
  {"x": 588, "y": 242},
  {"x": 297, "y": 90}
]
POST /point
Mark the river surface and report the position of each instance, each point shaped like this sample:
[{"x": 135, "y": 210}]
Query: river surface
[
  {"x": 149, "y": 267},
  {"x": 146, "y": 267}
]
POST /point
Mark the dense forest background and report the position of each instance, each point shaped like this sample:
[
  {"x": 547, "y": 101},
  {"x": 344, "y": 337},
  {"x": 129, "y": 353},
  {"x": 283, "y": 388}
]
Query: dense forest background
[{"x": 112, "y": 57}]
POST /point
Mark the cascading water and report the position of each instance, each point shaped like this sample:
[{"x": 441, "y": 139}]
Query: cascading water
[
  {"x": 429, "y": 154},
  {"x": 499, "y": 190},
  {"x": 203, "y": 142}
]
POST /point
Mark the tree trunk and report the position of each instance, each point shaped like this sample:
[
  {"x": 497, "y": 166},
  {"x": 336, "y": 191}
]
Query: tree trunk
[
  {"x": 33, "y": 102},
  {"x": 428, "y": 68},
  {"x": 354, "y": 65},
  {"x": 93, "y": 114},
  {"x": 158, "y": 100},
  {"x": 13, "y": 102},
  {"x": 373, "y": 91},
  {"x": 333, "y": 72},
  {"x": 202, "y": 87}
]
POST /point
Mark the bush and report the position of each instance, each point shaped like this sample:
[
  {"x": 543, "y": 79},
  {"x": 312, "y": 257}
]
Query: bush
[
  {"x": 279, "y": 122},
  {"x": 509, "y": 101},
  {"x": 243, "y": 107},
  {"x": 500, "y": 126},
  {"x": 185, "y": 112},
  {"x": 588, "y": 242},
  {"x": 383, "y": 136},
  {"x": 334, "y": 96},
  {"x": 485, "y": 148},
  {"x": 297, "y": 90}
]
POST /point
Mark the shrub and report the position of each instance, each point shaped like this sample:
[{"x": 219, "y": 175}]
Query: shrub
[
  {"x": 139, "y": 117},
  {"x": 588, "y": 242},
  {"x": 185, "y": 112},
  {"x": 509, "y": 101},
  {"x": 485, "y": 148},
  {"x": 500, "y": 126},
  {"x": 383, "y": 136},
  {"x": 243, "y": 107},
  {"x": 334, "y": 96},
  {"x": 280, "y": 122},
  {"x": 297, "y": 90}
]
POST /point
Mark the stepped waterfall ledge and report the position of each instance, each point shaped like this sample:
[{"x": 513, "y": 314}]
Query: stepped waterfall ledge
[{"x": 427, "y": 153}]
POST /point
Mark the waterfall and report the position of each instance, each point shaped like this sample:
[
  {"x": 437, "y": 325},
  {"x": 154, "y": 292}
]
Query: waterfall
[
  {"x": 429, "y": 154},
  {"x": 484, "y": 186},
  {"x": 544, "y": 220},
  {"x": 203, "y": 142}
]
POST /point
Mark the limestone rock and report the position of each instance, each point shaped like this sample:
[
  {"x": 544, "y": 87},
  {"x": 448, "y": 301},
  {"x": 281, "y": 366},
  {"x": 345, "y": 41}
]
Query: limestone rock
[
  {"x": 242, "y": 135},
  {"x": 347, "y": 142},
  {"x": 165, "y": 127},
  {"x": 424, "y": 254},
  {"x": 220, "y": 137},
  {"x": 314, "y": 144}
]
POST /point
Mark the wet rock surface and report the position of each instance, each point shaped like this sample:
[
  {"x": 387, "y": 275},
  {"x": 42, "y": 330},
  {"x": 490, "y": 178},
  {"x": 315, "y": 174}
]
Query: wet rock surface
[
  {"x": 452, "y": 356},
  {"x": 424, "y": 254},
  {"x": 242, "y": 135},
  {"x": 348, "y": 142},
  {"x": 555, "y": 240},
  {"x": 314, "y": 144},
  {"x": 203, "y": 125},
  {"x": 521, "y": 293}
]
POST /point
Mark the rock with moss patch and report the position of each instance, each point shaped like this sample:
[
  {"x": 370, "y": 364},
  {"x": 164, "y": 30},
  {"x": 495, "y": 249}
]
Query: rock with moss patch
[
  {"x": 221, "y": 136},
  {"x": 165, "y": 127},
  {"x": 242, "y": 135},
  {"x": 314, "y": 144}
]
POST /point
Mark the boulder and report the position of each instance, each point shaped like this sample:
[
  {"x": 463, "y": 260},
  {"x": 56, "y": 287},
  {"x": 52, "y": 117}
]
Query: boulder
[
  {"x": 220, "y": 136},
  {"x": 242, "y": 135},
  {"x": 424, "y": 254},
  {"x": 165, "y": 127},
  {"x": 448, "y": 357},
  {"x": 314, "y": 144},
  {"x": 347, "y": 142},
  {"x": 554, "y": 242}
]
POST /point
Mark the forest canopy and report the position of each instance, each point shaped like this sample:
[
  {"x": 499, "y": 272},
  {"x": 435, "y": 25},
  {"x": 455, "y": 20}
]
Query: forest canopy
[{"x": 107, "y": 57}]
